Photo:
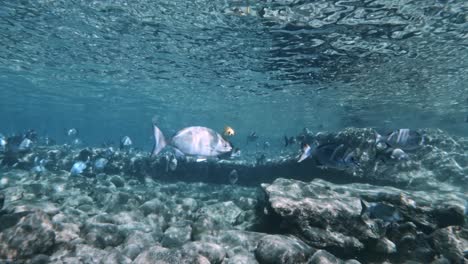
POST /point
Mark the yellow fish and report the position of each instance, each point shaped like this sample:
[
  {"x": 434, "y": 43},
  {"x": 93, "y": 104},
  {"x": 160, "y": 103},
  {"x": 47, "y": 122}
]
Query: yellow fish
[{"x": 229, "y": 131}]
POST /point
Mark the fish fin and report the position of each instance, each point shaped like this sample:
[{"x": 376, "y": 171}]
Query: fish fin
[
  {"x": 159, "y": 141},
  {"x": 286, "y": 143},
  {"x": 305, "y": 153},
  {"x": 364, "y": 207},
  {"x": 178, "y": 153}
]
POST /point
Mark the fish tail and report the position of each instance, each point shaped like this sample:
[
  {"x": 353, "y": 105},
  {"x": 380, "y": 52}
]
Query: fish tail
[
  {"x": 159, "y": 141},
  {"x": 364, "y": 207},
  {"x": 306, "y": 152}
]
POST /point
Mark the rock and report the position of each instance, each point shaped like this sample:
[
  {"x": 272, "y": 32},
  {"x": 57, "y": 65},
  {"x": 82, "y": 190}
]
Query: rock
[
  {"x": 88, "y": 254},
  {"x": 39, "y": 259},
  {"x": 242, "y": 259},
  {"x": 449, "y": 243},
  {"x": 115, "y": 257},
  {"x": 136, "y": 243},
  {"x": 229, "y": 239},
  {"x": 33, "y": 234},
  {"x": 324, "y": 257},
  {"x": 176, "y": 236},
  {"x": 328, "y": 216},
  {"x": 151, "y": 255},
  {"x": 103, "y": 235},
  {"x": 325, "y": 218},
  {"x": 213, "y": 252},
  {"x": 278, "y": 249},
  {"x": 154, "y": 206},
  {"x": 117, "y": 181},
  {"x": 158, "y": 255},
  {"x": 225, "y": 213},
  {"x": 385, "y": 246}
]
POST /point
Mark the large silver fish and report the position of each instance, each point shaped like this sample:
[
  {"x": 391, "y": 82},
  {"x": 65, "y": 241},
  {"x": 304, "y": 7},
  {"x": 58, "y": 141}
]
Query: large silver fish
[{"x": 193, "y": 141}]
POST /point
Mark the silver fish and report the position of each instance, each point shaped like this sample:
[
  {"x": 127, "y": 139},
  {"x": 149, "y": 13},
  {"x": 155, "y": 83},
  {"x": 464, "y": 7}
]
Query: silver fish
[
  {"x": 385, "y": 212},
  {"x": 3, "y": 142},
  {"x": 306, "y": 152},
  {"x": 193, "y": 141},
  {"x": 100, "y": 164},
  {"x": 72, "y": 132},
  {"x": 78, "y": 168},
  {"x": 25, "y": 145},
  {"x": 404, "y": 139},
  {"x": 125, "y": 142}
]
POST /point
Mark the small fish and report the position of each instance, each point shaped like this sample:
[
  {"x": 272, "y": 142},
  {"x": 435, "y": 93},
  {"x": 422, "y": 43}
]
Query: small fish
[
  {"x": 261, "y": 159},
  {"x": 404, "y": 139},
  {"x": 193, "y": 141},
  {"x": 2, "y": 200},
  {"x": 78, "y": 168},
  {"x": 109, "y": 152},
  {"x": 289, "y": 141},
  {"x": 125, "y": 142},
  {"x": 398, "y": 154},
  {"x": 229, "y": 131},
  {"x": 336, "y": 156},
  {"x": 306, "y": 152},
  {"x": 236, "y": 153},
  {"x": 48, "y": 141},
  {"x": 25, "y": 145},
  {"x": 252, "y": 137},
  {"x": 233, "y": 177},
  {"x": 72, "y": 132},
  {"x": 3, "y": 142},
  {"x": 171, "y": 162},
  {"x": 31, "y": 134},
  {"x": 39, "y": 166},
  {"x": 100, "y": 164},
  {"x": 77, "y": 142},
  {"x": 266, "y": 145},
  {"x": 381, "y": 211}
]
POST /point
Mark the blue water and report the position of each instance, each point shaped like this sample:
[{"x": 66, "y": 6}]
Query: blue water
[{"x": 107, "y": 67}]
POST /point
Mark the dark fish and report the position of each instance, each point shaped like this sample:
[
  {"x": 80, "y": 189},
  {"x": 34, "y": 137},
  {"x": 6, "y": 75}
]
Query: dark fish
[
  {"x": 31, "y": 134},
  {"x": 2, "y": 200},
  {"x": 49, "y": 141},
  {"x": 252, "y": 137},
  {"x": 336, "y": 156},
  {"x": 289, "y": 141},
  {"x": 381, "y": 211},
  {"x": 233, "y": 177},
  {"x": 261, "y": 159},
  {"x": 404, "y": 139}
]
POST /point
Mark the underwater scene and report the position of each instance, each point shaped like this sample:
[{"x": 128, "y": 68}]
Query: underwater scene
[{"x": 234, "y": 131}]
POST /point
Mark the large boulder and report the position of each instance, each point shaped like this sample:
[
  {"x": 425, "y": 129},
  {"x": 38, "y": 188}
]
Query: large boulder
[
  {"x": 33, "y": 234},
  {"x": 330, "y": 216}
]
